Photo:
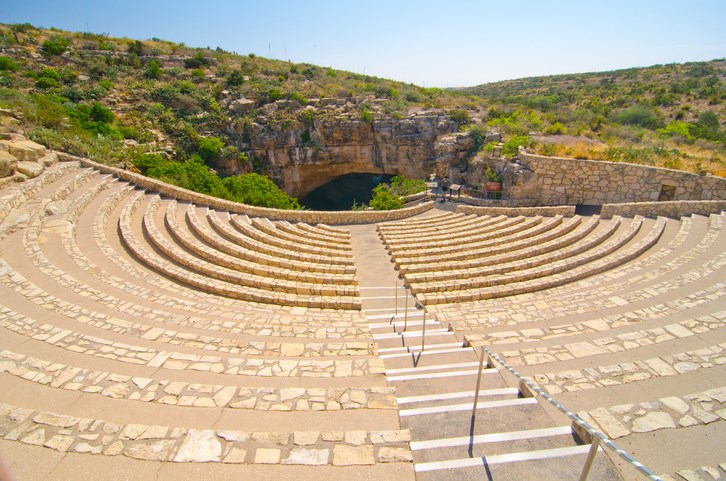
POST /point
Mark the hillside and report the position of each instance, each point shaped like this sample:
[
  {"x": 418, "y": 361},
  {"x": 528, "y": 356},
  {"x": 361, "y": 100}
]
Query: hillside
[
  {"x": 118, "y": 101},
  {"x": 666, "y": 115}
]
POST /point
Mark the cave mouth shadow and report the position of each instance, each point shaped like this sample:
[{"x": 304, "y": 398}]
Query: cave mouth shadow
[{"x": 339, "y": 193}]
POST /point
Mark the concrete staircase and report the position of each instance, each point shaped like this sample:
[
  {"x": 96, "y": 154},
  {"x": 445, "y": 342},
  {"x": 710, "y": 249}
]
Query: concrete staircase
[{"x": 511, "y": 436}]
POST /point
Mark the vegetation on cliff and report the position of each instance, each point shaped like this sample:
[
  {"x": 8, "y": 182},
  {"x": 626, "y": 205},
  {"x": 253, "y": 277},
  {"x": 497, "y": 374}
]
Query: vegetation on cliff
[
  {"x": 664, "y": 115},
  {"x": 119, "y": 100}
]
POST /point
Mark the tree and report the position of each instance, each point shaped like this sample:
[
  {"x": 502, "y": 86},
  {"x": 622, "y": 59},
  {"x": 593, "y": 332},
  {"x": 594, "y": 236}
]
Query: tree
[
  {"x": 385, "y": 199},
  {"x": 256, "y": 189}
]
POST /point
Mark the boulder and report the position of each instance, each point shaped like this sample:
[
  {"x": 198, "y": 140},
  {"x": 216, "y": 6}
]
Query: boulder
[
  {"x": 48, "y": 159},
  {"x": 8, "y": 164},
  {"x": 242, "y": 106},
  {"x": 26, "y": 150},
  {"x": 31, "y": 169}
]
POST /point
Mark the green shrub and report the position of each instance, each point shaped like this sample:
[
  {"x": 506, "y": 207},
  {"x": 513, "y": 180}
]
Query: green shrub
[
  {"x": 55, "y": 45},
  {"x": 384, "y": 198},
  {"x": 7, "y": 64},
  {"x": 555, "y": 129},
  {"x": 153, "y": 69},
  {"x": 639, "y": 116},
  {"x": 511, "y": 147},
  {"x": 256, "y": 189},
  {"x": 46, "y": 83},
  {"x": 460, "y": 116},
  {"x": 404, "y": 186},
  {"x": 99, "y": 113},
  {"x": 209, "y": 149},
  {"x": 235, "y": 79},
  {"x": 366, "y": 115}
]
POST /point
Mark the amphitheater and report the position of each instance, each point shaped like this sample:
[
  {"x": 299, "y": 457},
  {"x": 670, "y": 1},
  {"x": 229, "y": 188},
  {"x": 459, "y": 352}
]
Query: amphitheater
[{"x": 152, "y": 333}]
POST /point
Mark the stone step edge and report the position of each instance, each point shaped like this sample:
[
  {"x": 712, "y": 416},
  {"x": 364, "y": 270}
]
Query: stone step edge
[
  {"x": 161, "y": 443},
  {"x": 183, "y": 393}
]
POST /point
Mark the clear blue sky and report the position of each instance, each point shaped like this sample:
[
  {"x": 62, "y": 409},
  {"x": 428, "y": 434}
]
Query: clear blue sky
[{"x": 432, "y": 43}]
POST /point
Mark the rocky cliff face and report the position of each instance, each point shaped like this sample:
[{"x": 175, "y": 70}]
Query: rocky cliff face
[{"x": 303, "y": 157}]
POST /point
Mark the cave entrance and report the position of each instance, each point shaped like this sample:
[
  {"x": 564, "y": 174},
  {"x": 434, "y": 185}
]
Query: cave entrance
[{"x": 339, "y": 193}]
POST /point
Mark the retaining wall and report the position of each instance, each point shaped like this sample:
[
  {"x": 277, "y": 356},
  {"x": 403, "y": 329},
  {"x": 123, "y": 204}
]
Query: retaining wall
[
  {"x": 558, "y": 181},
  {"x": 308, "y": 216},
  {"x": 564, "y": 210},
  {"x": 674, "y": 209}
]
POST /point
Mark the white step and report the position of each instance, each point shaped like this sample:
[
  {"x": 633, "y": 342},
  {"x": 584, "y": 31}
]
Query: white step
[
  {"x": 491, "y": 438},
  {"x": 407, "y": 334},
  {"x": 450, "y": 408},
  {"x": 437, "y": 375},
  {"x": 408, "y": 349},
  {"x": 457, "y": 395},
  {"x": 502, "y": 458}
]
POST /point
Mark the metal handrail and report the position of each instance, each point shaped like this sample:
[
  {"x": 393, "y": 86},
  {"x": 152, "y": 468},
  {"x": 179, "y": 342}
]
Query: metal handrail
[
  {"x": 598, "y": 437},
  {"x": 405, "y": 313}
]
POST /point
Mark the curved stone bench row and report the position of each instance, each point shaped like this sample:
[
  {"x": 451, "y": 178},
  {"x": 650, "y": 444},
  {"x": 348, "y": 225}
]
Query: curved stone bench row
[
  {"x": 134, "y": 354},
  {"x": 656, "y": 312},
  {"x": 257, "y": 230},
  {"x": 163, "y": 443},
  {"x": 221, "y": 258},
  {"x": 225, "y": 229},
  {"x": 493, "y": 236},
  {"x": 604, "y": 376},
  {"x": 545, "y": 277},
  {"x": 303, "y": 240},
  {"x": 595, "y": 293},
  {"x": 672, "y": 412},
  {"x": 208, "y": 284},
  {"x": 214, "y": 239},
  {"x": 618, "y": 343},
  {"x": 313, "y": 232},
  {"x": 138, "y": 330},
  {"x": 224, "y": 273},
  {"x": 405, "y": 225},
  {"x": 17, "y": 195},
  {"x": 246, "y": 318},
  {"x": 461, "y": 226},
  {"x": 419, "y": 244},
  {"x": 550, "y": 235},
  {"x": 183, "y": 393},
  {"x": 569, "y": 247}
]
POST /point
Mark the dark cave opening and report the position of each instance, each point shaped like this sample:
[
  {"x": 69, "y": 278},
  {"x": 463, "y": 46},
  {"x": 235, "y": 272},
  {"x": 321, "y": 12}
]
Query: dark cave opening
[{"x": 339, "y": 193}]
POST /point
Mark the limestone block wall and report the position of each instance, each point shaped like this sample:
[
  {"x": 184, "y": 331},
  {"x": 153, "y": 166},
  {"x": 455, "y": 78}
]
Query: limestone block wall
[
  {"x": 674, "y": 209},
  {"x": 549, "y": 211},
  {"x": 559, "y": 180},
  {"x": 308, "y": 216}
]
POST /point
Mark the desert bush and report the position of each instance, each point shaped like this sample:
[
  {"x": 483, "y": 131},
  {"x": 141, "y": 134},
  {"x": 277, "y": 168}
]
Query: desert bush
[
  {"x": 384, "y": 198},
  {"x": 55, "y": 45},
  {"x": 7, "y": 64},
  {"x": 99, "y": 113},
  {"x": 153, "y": 69},
  {"x": 640, "y": 116}
]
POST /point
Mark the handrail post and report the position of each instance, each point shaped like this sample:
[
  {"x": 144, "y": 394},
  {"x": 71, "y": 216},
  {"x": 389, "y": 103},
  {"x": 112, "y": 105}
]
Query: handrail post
[
  {"x": 396, "y": 311},
  {"x": 405, "y": 311},
  {"x": 590, "y": 458},
  {"x": 478, "y": 382},
  {"x": 423, "y": 336}
]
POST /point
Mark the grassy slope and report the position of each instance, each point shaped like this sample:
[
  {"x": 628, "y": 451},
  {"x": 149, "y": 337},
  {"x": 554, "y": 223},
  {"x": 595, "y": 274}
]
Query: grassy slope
[
  {"x": 175, "y": 107},
  {"x": 591, "y": 106}
]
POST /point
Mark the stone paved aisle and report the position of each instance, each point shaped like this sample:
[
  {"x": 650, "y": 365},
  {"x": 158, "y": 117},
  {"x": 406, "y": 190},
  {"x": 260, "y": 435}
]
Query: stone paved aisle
[{"x": 512, "y": 437}]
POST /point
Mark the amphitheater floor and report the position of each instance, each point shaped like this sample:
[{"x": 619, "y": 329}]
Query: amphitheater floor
[{"x": 635, "y": 348}]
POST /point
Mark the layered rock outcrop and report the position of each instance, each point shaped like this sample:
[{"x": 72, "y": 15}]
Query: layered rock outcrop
[{"x": 303, "y": 157}]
